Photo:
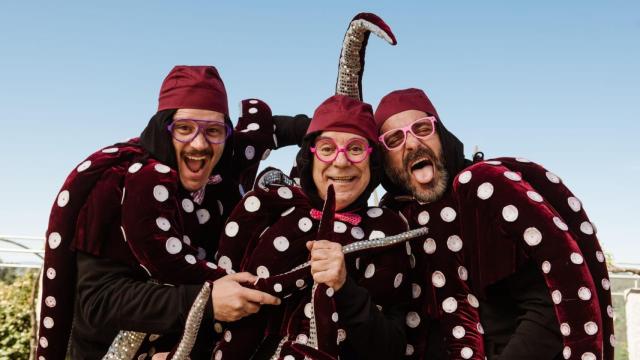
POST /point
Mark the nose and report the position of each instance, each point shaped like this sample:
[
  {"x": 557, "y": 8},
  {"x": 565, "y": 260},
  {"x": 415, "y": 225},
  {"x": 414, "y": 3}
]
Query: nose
[
  {"x": 341, "y": 160},
  {"x": 412, "y": 142},
  {"x": 199, "y": 142}
]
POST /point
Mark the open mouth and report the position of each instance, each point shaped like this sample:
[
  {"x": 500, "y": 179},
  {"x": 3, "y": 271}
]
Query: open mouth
[
  {"x": 422, "y": 170},
  {"x": 194, "y": 163}
]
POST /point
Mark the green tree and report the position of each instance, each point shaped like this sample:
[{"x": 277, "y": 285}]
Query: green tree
[{"x": 16, "y": 309}]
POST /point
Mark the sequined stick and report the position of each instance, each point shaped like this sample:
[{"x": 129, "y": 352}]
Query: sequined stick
[
  {"x": 125, "y": 345},
  {"x": 193, "y": 324}
]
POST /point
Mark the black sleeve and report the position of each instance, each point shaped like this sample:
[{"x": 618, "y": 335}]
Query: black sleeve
[
  {"x": 371, "y": 333},
  {"x": 537, "y": 334},
  {"x": 110, "y": 296},
  {"x": 290, "y": 129}
]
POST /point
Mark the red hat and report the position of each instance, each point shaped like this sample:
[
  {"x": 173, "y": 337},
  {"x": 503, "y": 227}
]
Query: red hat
[
  {"x": 193, "y": 87},
  {"x": 402, "y": 100},
  {"x": 344, "y": 113}
]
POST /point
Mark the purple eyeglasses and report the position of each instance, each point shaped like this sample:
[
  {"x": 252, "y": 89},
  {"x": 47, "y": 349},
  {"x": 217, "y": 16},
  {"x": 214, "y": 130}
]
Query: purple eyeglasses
[
  {"x": 185, "y": 130},
  {"x": 421, "y": 128},
  {"x": 356, "y": 150}
]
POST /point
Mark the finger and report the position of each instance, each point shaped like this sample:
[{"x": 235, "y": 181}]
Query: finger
[
  {"x": 243, "y": 277},
  {"x": 322, "y": 265},
  {"x": 309, "y": 245},
  {"x": 325, "y": 277},
  {"x": 160, "y": 356},
  {"x": 322, "y": 244},
  {"x": 260, "y": 297},
  {"x": 321, "y": 254},
  {"x": 251, "y": 307}
]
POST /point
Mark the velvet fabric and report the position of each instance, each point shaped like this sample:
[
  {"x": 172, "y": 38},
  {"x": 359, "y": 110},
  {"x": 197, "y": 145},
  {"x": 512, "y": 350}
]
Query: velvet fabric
[
  {"x": 345, "y": 114},
  {"x": 266, "y": 235},
  {"x": 193, "y": 87},
  {"x": 123, "y": 204}
]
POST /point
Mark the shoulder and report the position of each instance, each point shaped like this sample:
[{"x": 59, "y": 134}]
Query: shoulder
[{"x": 383, "y": 219}]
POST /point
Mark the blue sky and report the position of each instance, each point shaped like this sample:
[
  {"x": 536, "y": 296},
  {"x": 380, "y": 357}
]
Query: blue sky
[{"x": 555, "y": 82}]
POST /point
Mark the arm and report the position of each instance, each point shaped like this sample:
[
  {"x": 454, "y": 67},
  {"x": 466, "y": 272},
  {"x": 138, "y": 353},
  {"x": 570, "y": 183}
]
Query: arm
[{"x": 290, "y": 129}]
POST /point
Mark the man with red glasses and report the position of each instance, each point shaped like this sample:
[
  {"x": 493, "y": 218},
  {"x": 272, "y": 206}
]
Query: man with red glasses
[
  {"x": 506, "y": 230},
  {"x": 137, "y": 216}
]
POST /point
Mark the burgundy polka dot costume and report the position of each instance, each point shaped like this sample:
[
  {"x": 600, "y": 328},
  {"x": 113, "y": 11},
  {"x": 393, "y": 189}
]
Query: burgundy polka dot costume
[{"x": 124, "y": 204}]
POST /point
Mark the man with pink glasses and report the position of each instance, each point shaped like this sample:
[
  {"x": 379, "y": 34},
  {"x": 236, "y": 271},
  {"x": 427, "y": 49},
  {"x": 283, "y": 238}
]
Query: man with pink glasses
[{"x": 505, "y": 230}]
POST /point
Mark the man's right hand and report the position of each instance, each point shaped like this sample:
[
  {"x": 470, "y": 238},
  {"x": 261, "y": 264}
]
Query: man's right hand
[{"x": 232, "y": 301}]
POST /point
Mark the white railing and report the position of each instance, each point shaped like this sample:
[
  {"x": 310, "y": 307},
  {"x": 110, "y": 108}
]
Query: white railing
[{"x": 21, "y": 251}]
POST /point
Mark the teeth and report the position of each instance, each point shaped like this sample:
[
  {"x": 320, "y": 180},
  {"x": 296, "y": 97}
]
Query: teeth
[{"x": 197, "y": 158}]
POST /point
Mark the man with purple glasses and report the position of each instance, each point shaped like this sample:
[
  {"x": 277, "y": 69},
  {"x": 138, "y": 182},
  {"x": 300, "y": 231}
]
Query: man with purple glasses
[
  {"x": 505, "y": 230},
  {"x": 151, "y": 210}
]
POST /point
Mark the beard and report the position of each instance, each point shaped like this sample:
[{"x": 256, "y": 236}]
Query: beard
[{"x": 402, "y": 176}]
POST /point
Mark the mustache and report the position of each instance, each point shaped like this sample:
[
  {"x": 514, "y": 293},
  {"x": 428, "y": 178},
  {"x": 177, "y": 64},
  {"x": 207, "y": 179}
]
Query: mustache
[
  {"x": 207, "y": 152},
  {"x": 420, "y": 153}
]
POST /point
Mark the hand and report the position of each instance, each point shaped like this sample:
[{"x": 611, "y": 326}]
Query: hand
[
  {"x": 160, "y": 356},
  {"x": 327, "y": 263},
  {"x": 232, "y": 301}
]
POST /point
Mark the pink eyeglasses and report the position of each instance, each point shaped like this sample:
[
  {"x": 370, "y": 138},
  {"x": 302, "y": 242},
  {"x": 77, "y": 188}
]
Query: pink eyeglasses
[
  {"x": 421, "y": 128},
  {"x": 356, "y": 150}
]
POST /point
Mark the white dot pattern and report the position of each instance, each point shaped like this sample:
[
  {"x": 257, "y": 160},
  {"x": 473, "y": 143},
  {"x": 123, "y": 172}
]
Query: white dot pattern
[
  {"x": 339, "y": 227},
  {"x": 305, "y": 224},
  {"x": 187, "y": 205},
  {"x": 485, "y": 190},
  {"x": 534, "y": 196},
  {"x": 161, "y": 168},
  {"x": 565, "y": 329},
  {"x": 532, "y": 236},
  {"x": 466, "y": 353},
  {"x": 574, "y": 204},
  {"x": 173, "y": 245},
  {"x": 374, "y": 212},
  {"x": 50, "y": 301},
  {"x": 429, "y": 246},
  {"x": 285, "y": 193},
  {"x": 576, "y": 258},
  {"x": 357, "y": 232},
  {"x": 584, "y": 293},
  {"x": 63, "y": 198},
  {"x": 47, "y": 322},
  {"x": 163, "y": 223},
  {"x": 225, "y": 263},
  {"x": 397, "y": 281},
  {"x": 281, "y": 243},
  {"x": 464, "y": 177},
  {"x": 546, "y": 267},
  {"x": 84, "y": 166},
  {"x": 449, "y": 305},
  {"x": 556, "y": 296},
  {"x": 458, "y": 332},
  {"x": 252, "y": 204},
  {"x": 454, "y": 243},
  {"x": 438, "y": 279},
  {"x": 369, "y": 271},
  {"x": 232, "y": 228},
  {"x": 423, "y": 218},
  {"x": 376, "y": 234},
  {"x": 160, "y": 193},
  {"x": 512, "y": 176},
  {"x": 463, "y": 274},
  {"x": 590, "y": 328},
  {"x": 560, "y": 224},
  {"x": 510, "y": 213},
  {"x": 448, "y": 214},
  {"x": 412, "y": 319},
  {"x": 190, "y": 259},
  {"x": 134, "y": 168},
  {"x": 586, "y": 228},
  {"x": 54, "y": 240}
]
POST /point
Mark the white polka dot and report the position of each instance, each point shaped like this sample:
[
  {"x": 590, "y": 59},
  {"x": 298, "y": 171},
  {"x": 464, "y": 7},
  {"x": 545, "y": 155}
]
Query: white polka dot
[
  {"x": 330, "y": 292},
  {"x": 412, "y": 261},
  {"x": 63, "y": 198},
  {"x": 211, "y": 265},
  {"x": 253, "y": 110},
  {"x": 302, "y": 339},
  {"x": 253, "y": 101},
  {"x": 473, "y": 301},
  {"x": 576, "y": 258},
  {"x": 552, "y": 177},
  {"x": 203, "y": 215},
  {"x": 285, "y": 192},
  {"x": 84, "y": 166},
  {"x": 565, "y": 329},
  {"x": 588, "y": 356},
  {"x": 173, "y": 245},
  {"x": 415, "y": 290},
  {"x": 464, "y": 177},
  {"x": 534, "y": 196},
  {"x": 458, "y": 332},
  {"x": 566, "y": 352},
  {"x": 289, "y": 357},
  {"x": 227, "y": 336},
  {"x": 186, "y": 240},
  {"x": 532, "y": 236},
  {"x": 409, "y": 350},
  {"x": 438, "y": 279},
  {"x": 225, "y": 263},
  {"x": 522, "y": 160},
  {"x": 606, "y": 284},
  {"x": 493, "y": 162},
  {"x": 423, "y": 218},
  {"x": 612, "y": 340},
  {"x": 202, "y": 253},
  {"x": 449, "y": 305},
  {"x": 253, "y": 126},
  {"x": 429, "y": 246},
  {"x": 300, "y": 283},
  {"x": 190, "y": 259},
  {"x": 262, "y": 272},
  {"x": 600, "y": 256},
  {"x": 357, "y": 232},
  {"x": 50, "y": 301},
  {"x": 560, "y": 224},
  {"x": 187, "y": 205},
  {"x": 54, "y": 240},
  {"x": 110, "y": 150},
  {"x": 135, "y": 167},
  {"x": 44, "y": 342},
  {"x": 376, "y": 234},
  {"x": 590, "y": 328},
  {"x": 288, "y": 211},
  {"x": 480, "y": 328},
  {"x": 281, "y": 243},
  {"x": 160, "y": 192},
  {"x": 218, "y": 355},
  {"x": 47, "y": 322},
  {"x": 163, "y": 223},
  {"x": 512, "y": 176},
  {"x": 335, "y": 317},
  {"x": 574, "y": 203},
  {"x": 250, "y": 152},
  {"x": 162, "y": 168},
  {"x": 485, "y": 190},
  {"x": 369, "y": 271},
  {"x": 51, "y": 273},
  {"x": 339, "y": 227},
  {"x": 448, "y": 214},
  {"x": 374, "y": 212},
  {"x": 463, "y": 274},
  {"x": 266, "y": 154},
  {"x": 556, "y": 296},
  {"x": 584, "y": 293},
  {"x": 308, "y": 310},
  {"x": 466, "y": 353},
  {"x": 510, "y": 213},
  {"x": 413, "y": 319},
  {"x": 305, "y": 224},
  {"x": 586, "y": 228},
  {"x": 546, "y": 267},
  {"x": 397, "y": 281},
  {"x": 252, "y": 204},
  {"x": 407, "y": 247},
  {"x": 454, "y": 243},
  {"x": 610, "y": 311}
]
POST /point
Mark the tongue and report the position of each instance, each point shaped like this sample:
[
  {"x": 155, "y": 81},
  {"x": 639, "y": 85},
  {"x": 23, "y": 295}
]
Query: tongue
[
  {"x": 423, "y": 175},
  {"x": 194, "y": 165}
]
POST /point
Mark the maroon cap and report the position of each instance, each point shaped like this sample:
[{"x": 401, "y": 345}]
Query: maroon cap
[
  {"x": 346, "y": 114},
  {"x": 193, "y": 87},
  {"x": 402, "y": 100}
]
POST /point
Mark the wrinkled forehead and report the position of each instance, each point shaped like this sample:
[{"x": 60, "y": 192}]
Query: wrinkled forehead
[
  {"x": 341, "y": 137},
  {"x": 198, "y": 114},
  {"x": 402, "y": 119}
]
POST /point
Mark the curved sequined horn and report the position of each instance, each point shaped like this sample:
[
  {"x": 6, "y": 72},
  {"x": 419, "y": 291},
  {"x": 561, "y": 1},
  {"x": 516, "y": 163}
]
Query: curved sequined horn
[{"x": 351, "y": 66}]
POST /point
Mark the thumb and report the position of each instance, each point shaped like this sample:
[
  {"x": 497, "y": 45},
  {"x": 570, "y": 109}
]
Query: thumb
[
  {"x": 310, "y": 245},
  {"x": 243, "y": 277}
]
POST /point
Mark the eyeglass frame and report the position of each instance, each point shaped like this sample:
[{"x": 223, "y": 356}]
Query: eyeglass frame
[
  {"x": 200, "y": 124},
  {"x": 343, "y": 149},
  {"x": 406, "y": 129}
]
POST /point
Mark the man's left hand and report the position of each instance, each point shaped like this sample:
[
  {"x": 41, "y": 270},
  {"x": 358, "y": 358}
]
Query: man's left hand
[{"x": 327, "y": 263}]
